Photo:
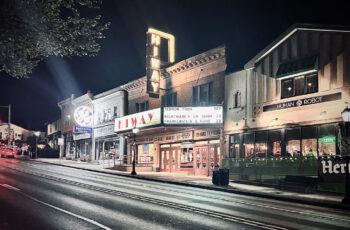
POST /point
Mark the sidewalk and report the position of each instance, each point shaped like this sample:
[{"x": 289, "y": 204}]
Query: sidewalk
[{"x": 326, "y": 200}]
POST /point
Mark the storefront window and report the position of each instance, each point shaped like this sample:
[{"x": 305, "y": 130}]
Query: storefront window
[
  {"x": 146, "y": 153},
  {"x": 274, "y": 143},
  {"x": 248, "y": 141},
  {"x": 293, "y": 148},
  {"x": 327, "y": 145},
  {"x": 249, "y": 150},
  {"x": 327, "y": 139},
  {"x": 234, "y": 146},
  {"x": 261, "y": 144},
  {"x": 293, "y": 136},
  {"x": 309, "y": 147},
  {"x": 260, "y": 150},
  {"x": 276, "y": 149},
  {"x": 187, "y": 155}
]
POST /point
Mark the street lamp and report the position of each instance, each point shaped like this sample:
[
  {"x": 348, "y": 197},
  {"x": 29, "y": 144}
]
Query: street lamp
[
  {"x": 37, "y": 134},
  {"x": 135, "y": 131},
  {"x": 345, "y": 135}
]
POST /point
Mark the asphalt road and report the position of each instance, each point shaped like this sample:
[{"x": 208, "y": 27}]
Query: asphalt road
[{"x": 36, "y": 195}]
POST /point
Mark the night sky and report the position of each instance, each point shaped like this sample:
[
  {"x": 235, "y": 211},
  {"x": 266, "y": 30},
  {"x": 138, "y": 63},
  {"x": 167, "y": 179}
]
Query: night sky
[{"x": 246, "y": 27}]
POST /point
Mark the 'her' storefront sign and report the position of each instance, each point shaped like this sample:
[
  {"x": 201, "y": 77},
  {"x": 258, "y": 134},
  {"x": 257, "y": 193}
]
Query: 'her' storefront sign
[{"x": 332, "y": 169}]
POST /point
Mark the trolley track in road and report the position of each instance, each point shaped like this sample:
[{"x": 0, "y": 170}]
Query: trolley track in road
[
  {"x": 156, "y": 201},
  {"x": 114, "y": 180}
]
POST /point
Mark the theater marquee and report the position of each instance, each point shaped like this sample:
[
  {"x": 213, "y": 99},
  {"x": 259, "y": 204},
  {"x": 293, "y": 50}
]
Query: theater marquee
[
  {"x": 193, "y": 115},
  {"x": 138, "y": 120},
  {"x": 302, "y": 102}
]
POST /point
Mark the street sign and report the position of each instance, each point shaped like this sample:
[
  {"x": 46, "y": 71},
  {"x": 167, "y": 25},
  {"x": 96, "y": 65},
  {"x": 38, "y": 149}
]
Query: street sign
[{"x": 79, "y": 129}]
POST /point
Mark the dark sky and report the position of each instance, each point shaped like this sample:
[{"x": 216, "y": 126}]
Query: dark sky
[{"x": 246, "y": 27}]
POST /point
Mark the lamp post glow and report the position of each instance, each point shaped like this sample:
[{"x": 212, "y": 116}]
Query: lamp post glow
[
  {"x": 346, "y": 118},
  {"x": 37, "y": 134},
  {"x": 133, "y": 172}
]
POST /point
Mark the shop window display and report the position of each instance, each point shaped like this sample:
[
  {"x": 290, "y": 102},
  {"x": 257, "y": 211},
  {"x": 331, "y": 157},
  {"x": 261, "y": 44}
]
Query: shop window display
[
  {"x": 293, "y": 148},
  {"x": 260, "y": 150},
  {"x": 327, "y": 145},
  {"x": 146, "y": 153},
  {"x": 309, "y": 147},
  {"x": 276, "y": 149},
  {"x": 249, "y": 150}
]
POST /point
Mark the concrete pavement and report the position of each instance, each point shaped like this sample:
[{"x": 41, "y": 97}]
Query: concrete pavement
[{"x": 319, "y": 199}]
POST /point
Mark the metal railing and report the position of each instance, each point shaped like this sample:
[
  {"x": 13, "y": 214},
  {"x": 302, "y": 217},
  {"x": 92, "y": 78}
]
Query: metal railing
[{"x": 112, "y": 160}]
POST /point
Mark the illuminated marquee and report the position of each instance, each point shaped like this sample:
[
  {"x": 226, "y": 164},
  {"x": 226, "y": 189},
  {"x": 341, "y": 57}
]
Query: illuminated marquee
[
  {"x": 83, "y": 116},
  {"x": 153, "y": 59},
  {"x": 138, "y": 120},
  {"x": 193, "y": 115}
]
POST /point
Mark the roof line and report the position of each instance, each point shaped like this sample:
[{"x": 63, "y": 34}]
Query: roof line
[{"x": 288, "y": 33}]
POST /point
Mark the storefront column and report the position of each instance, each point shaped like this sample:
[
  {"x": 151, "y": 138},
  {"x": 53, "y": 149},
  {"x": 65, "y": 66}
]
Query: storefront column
[
  {"x": 93, "y": 150},
  {"x": 283, "y": 142}
]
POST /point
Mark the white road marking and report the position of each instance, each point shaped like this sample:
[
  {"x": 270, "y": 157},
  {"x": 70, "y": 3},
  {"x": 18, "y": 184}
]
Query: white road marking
[
  {"x": 57, "y": 208},
  {"x": 10, "y": 187}
]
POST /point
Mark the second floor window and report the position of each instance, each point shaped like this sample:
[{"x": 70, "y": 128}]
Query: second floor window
[
  {"x": 169, "y": 99},
  {"x": 202, "y": 94},
  {"x": 143, "y": 106},
  {"x": 299, "y": 85}
]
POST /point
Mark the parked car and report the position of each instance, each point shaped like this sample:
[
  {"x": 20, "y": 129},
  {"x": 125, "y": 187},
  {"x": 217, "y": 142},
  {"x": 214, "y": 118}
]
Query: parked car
[{"x": 7, "y": 151}]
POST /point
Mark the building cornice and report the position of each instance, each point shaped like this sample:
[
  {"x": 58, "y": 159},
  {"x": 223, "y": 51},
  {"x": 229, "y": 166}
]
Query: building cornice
[{"x": 196, "y": 61}]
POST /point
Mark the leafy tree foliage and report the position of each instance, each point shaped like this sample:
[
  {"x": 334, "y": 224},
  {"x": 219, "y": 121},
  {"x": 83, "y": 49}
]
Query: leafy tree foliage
[{"x": 31, "y": 30}]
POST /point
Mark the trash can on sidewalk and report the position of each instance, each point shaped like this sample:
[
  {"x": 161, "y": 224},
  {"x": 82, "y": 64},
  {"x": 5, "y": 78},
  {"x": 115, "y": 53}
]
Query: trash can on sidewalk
[
  {"x": 224, "y": 177},
  {"x": 216, "y": 177},
  {"x": 221, "y": 177}
]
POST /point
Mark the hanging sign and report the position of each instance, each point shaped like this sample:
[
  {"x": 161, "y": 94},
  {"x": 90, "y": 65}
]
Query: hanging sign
[
  {"x": 83, "y": 116},
  {"x": 154, "y": 61}
]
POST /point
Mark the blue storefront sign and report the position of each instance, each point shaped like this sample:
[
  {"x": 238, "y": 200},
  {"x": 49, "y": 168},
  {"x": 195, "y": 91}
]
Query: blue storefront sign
[{"x": 79, "y": 129}]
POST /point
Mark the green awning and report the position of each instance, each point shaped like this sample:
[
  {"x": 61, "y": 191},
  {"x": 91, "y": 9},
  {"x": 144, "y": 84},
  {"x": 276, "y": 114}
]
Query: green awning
[{"x": 297, "y": 66}]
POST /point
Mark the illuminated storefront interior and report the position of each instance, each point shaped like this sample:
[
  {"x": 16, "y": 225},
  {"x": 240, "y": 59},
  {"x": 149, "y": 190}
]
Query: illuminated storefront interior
[{"x": 306, "y": 141}]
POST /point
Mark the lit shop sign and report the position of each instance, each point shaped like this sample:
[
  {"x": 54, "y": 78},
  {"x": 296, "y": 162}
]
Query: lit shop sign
[
  {"x": 328, "y": 140},
  {"x": 104, "y": 131},
  {"x": 332, "y": 169},
  {"x": 78, "y": 129},
  {"x": 153, "y": 58},
  {"x": 193, "y": 115},
  {"x": 302, "y": 102},
  {"x": 81, "y": 136},
  {"x": 138, "y": 120},
  {"x": 83, "y": 116}
]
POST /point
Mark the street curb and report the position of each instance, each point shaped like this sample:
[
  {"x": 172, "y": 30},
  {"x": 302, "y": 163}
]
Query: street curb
[{"x": 308, "y": 201}]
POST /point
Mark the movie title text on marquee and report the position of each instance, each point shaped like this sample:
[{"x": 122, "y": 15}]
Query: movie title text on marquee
[{"x": 193, "y": 115}]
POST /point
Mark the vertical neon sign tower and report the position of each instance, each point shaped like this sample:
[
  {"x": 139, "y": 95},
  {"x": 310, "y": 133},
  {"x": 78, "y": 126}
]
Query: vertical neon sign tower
[{"x": 153, "y": 59}]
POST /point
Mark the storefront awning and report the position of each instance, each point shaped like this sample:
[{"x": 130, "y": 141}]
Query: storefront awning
[{"x": 297, "y": 66}]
